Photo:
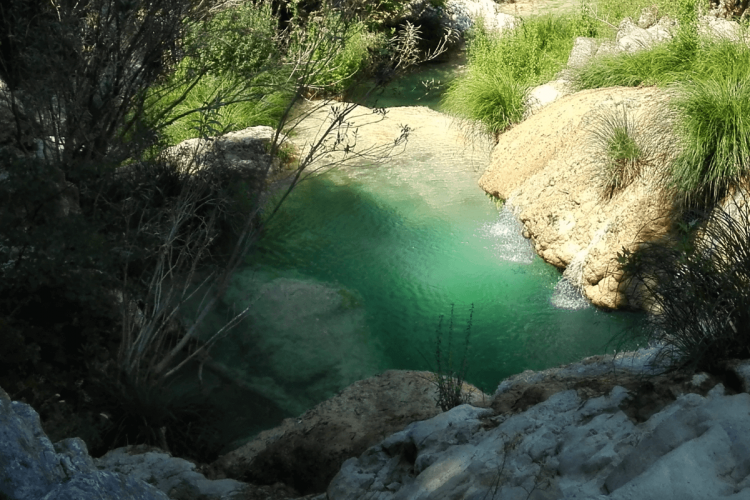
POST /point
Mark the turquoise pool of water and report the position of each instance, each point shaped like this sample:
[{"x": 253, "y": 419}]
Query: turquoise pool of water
[{"x": 352, "y": 275}]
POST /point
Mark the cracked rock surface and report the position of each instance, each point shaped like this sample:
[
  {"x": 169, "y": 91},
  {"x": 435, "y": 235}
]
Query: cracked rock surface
[{"x": 566, "y": 447}]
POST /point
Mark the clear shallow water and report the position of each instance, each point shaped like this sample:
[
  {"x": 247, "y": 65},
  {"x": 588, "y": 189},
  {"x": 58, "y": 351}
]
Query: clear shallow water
[
  {"x": 419, "y": 88},
  {"x": 404, "y": 261}
]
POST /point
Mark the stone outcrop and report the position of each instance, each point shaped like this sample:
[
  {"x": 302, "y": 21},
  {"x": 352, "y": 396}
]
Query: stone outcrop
[
  {"x": 545, "y": 167},
  {"x": 460, "y": 15},
  {"x": 246, "y": 150},
  {"x": 306, "y": 452},
  {"x": 579, "y": 442},
  {"x": 33, "y": 468},
  {"x": 174, "y": 476}
]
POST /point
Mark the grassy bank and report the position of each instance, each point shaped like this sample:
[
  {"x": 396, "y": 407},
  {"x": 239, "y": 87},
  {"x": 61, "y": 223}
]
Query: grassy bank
[{"x": 503, "y": 67}]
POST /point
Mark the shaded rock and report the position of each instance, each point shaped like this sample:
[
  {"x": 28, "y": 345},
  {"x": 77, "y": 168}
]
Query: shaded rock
[
  {"x": 32, "y": 468},
  {"x": 308, "y": 451},
  {"x": 174, "y": 476},
  {"x": 729, "y": 8},
  {"x": 246, "y": 150}
]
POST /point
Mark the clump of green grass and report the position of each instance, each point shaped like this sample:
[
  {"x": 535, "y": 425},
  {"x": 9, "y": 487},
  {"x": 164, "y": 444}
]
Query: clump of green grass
[
  {"x": 503, "y": 67},
  {"x": 710, "y": 81},
  {"x": 616, "y": 140},
  {"x": 715, "y": 134}
]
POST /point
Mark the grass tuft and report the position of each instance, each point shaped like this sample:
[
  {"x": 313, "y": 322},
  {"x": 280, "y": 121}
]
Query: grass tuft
[
  {"x": 715, "y": 132},
  {"x": 502, "y": 68}
]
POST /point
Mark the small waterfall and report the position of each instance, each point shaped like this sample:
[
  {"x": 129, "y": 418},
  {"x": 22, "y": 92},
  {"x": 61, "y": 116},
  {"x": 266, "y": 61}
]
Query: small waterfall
[
  {"x": 568, "y": 296},
  {"x": 568, "y": 292},
  {"x": 509, "y": 243}
]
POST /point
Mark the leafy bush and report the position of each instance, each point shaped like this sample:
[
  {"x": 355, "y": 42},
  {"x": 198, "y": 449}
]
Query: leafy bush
[
  {"x": 350, "y": 55},
  {"x": 696, "y": 286},
  {"x": 232, "y": 70},
  {"x": 503, "y": 67}
]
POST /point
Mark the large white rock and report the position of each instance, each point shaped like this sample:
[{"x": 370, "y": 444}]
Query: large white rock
[{"x": 695, "y": 448}]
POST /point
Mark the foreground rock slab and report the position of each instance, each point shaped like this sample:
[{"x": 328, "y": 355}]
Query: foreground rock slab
[
  {"x": 32, "y": 468},
  {"x": 698, "y": 447},
  {"x": 306, "y": 452}
]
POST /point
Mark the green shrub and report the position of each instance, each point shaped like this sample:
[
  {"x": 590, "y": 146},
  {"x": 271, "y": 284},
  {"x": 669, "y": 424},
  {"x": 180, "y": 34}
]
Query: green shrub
[
  {"x": 715, "y": 135},
  {"x": 697, "y": 287},
  {"x": 351, "y": 55},
  {"x": 502, "y": 68},
  {"x": 232, "y": 69}
]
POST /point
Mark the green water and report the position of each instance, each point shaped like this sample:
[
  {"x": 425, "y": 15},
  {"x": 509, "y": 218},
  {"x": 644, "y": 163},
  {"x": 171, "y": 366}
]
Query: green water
[
  {"x": 352, "y": 275},
  {"x": 418, "y": 88}
]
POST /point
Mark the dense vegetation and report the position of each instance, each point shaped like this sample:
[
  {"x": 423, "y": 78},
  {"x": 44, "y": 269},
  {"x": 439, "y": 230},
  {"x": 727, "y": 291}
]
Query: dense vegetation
[
  {"x": 106, "y": 234},
  {"x": 503, "y": 67}
]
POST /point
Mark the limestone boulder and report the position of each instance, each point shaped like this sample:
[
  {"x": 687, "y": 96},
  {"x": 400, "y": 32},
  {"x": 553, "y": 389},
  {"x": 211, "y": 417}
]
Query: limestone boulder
[
  {"x": 245, "y": 150},
  {"x": 460, "y": 15},
  {"x": 174, "y": 476},
  {"x": 567, "y": 446},
  {"x": 547, "y": 168},
  {"x": 32, "y": 468},
  {"x": 306, "y": 452}
]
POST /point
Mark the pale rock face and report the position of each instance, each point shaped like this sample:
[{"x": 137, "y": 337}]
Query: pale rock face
[
  {"x": 544, "y": 167},
  {"x": 565, "y": 447},
  {"x": 631, "y": 37}
]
